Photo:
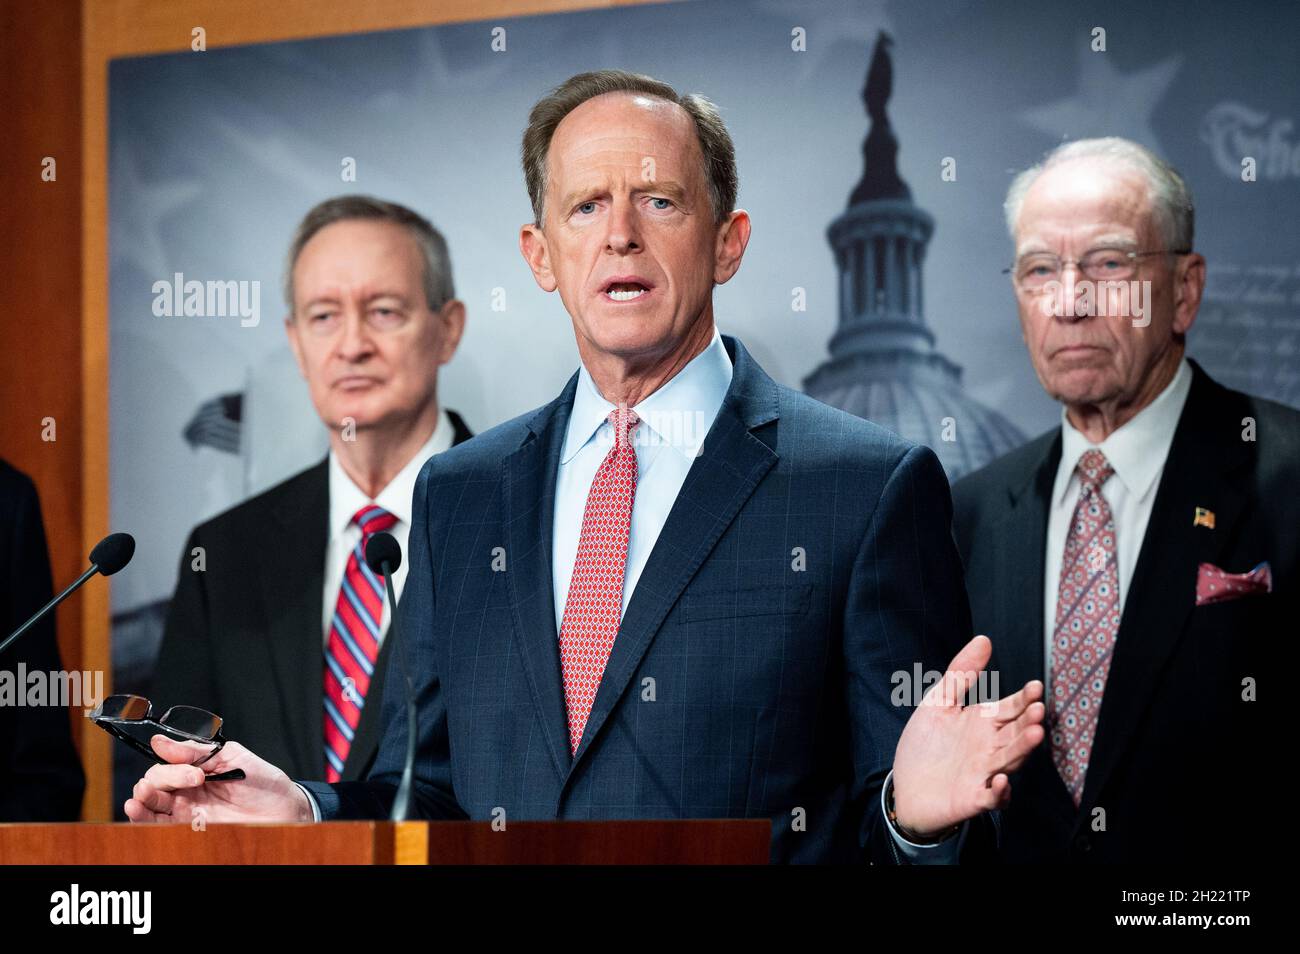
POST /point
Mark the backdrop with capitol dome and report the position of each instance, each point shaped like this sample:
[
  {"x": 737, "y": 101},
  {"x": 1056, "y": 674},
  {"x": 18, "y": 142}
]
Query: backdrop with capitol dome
[{"x": 875, "y": 143}]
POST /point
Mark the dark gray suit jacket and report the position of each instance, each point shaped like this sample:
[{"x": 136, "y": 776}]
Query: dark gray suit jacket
[{"x": 243, "y": 637}]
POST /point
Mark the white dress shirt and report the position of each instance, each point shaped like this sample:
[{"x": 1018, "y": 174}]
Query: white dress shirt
[
  {"x": 346, "y": 498},
  {"x": 1137, "y": 452}
]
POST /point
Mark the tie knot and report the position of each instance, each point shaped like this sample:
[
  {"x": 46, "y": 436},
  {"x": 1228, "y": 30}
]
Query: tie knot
[
  {"x": 1094, "y": 469},
  {"x": 373, "y": 519},
  {"x": 623, "y": 419}
]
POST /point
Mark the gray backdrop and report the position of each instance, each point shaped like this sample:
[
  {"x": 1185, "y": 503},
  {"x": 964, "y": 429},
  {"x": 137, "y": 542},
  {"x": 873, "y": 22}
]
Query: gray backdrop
[{"x": 215, "y": 155}]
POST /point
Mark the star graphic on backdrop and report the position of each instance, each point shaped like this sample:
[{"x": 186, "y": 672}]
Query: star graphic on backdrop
[
  {"x": 432, "y": 76},
  {"x": 1107, "y": 102},
  {"x": 284, "y": 144},
  {"x": 856, "y": 21},
  {"x": 256, "y": 136},
  {"x": 139, "y": 208}
]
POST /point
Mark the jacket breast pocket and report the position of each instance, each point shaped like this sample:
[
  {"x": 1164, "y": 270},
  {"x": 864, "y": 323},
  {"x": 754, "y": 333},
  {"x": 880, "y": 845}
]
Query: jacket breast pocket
[
  {"x": 745, "y": 601},
  {"x": 760, "y": 647}
]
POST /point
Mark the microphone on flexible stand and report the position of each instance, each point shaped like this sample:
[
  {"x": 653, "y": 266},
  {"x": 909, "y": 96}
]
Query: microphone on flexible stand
[
  {"x": 384, "y": 556},
  {"x": 110, "y": 555}
]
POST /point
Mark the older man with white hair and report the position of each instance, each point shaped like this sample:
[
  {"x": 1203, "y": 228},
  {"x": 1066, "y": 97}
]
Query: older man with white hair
[{"x": 1139, "y": 557}]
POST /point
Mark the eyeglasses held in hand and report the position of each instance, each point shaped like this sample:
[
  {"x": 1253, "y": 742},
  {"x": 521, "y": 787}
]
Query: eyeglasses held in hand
[{"x": 130, "y": 719}]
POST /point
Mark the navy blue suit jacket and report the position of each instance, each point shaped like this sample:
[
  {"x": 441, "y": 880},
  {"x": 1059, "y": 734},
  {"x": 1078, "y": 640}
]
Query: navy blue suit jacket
[{"x": 808, "y": 558}]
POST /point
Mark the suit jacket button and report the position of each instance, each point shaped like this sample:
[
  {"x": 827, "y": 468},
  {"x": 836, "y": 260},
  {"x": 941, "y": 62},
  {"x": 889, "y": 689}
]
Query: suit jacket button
[{"x": 1081, "y": 843}]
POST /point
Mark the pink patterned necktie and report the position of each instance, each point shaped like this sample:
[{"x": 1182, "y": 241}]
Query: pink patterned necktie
[
  {"x": 1087, "y": 622},
  {"x": 594, "y": 606},
  {"x": 353, "y": 646}
]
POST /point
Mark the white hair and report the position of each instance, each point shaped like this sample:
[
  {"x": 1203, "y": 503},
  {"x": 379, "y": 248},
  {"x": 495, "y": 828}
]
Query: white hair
[{"x": 1171, "y": 200}]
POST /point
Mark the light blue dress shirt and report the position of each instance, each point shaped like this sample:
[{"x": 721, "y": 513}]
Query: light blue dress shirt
[{"x": 674, "y": 420}]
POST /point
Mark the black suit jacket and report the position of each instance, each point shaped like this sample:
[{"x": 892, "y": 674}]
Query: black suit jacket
[
  {"x": 1178, "y": 768},
  {"x": 40, "y": 774},
  {"x": 243, "y": 637}
]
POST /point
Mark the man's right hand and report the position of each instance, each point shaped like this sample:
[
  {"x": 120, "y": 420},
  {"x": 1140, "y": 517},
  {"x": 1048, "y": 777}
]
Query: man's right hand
[{"x": 178, "y": 792}]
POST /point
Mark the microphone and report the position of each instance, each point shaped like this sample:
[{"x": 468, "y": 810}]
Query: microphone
[
  {"x": 110, "y": 555},
  {"x": 113, "y": 552},
  {"x": 384, "y": 556}
]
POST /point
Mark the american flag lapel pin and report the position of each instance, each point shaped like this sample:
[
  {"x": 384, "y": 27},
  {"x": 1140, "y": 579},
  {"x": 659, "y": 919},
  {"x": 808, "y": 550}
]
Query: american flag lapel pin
[{"x": 1203, "y": 518}]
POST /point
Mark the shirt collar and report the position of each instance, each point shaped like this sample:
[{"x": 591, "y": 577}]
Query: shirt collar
[
  {"x": 679, "y": 413},
  {"x": 1137, "y": 450},
  {"x": 346, "y": 498}
]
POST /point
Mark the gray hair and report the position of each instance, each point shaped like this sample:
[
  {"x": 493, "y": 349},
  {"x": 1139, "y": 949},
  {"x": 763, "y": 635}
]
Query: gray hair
[
  {"x": 1171, "y": 200},
  {"x": 715, "y": 142},
  {"x": 438, "y": 288}
]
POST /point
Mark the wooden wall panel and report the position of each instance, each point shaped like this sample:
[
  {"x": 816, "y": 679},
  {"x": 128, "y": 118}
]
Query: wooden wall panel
[{"x": 40, "y": 281}]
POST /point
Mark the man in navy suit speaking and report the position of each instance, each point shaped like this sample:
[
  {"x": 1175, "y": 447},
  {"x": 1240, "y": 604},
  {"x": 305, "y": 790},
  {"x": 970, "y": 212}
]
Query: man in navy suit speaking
[{"x": 678, "y": 590}]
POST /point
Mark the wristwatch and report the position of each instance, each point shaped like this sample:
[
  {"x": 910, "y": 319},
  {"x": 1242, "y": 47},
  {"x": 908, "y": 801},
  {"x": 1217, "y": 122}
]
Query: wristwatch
[{"x": 909, "y": 836}]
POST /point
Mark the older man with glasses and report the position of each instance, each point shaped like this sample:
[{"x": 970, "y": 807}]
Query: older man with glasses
[{"x": 1140, "y": 557}]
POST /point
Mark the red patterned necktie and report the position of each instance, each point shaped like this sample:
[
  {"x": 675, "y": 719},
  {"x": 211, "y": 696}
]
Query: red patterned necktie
[
  {"x": 594, "y": 606},
  {"x": 353, "y": 644},
  {"x": 1087, "y": 623}
]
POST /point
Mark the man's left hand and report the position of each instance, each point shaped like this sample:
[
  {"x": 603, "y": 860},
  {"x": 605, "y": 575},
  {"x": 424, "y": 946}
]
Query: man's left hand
[{"x": 952, "y": 760}]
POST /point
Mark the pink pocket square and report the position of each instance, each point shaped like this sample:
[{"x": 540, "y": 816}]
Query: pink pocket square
[{"x": 1216, "y": 586}]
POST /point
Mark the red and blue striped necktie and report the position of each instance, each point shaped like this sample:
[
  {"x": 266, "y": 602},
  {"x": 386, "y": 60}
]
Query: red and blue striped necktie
[{"x": 353, "y": 645}]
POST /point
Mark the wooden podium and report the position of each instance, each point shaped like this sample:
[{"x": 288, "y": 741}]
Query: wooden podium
[{"x": 694, "y": 842}]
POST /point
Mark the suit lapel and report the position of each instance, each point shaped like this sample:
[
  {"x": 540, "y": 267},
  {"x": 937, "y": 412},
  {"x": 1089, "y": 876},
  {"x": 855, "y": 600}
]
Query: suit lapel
[
  {"x": 1020, "y": 574},
  {"x": 460, "y": 431},
  {"x": 528, "y": 501},
  {"x": 731, "y": 465},
  {"x": 365, "y": 742},
  {"x": 1021, "y": 581},
  {"x": 292, "y": 577},
  {"x": 1206, "y": 451}
]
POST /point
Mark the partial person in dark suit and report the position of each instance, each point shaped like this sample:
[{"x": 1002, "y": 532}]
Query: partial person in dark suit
[
  {"x": 276, "y": 624},
  {"x": 40, "y": 773},
  {"x": 679, "y": 590},
  {"x": 1141, "y": 558}
]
